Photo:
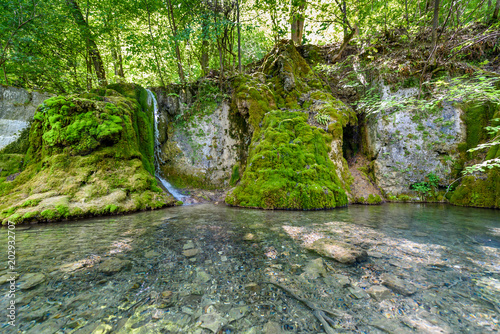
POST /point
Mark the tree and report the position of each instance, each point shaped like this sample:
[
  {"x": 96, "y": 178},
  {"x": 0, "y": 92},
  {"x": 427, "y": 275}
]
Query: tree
[
  {"x": 86, "y": 33},
  {"x": 297, "y": 17}
]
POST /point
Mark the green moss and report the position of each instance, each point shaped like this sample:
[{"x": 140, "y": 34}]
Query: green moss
[
  {"x": 87, "y": 150},
  {"x": 29, "y": 215},
  {"x": 10, "y": 164},
  {"x": 31, "y": 202},
  {"x": 374, "y": 199},
  {"x": 49, "y": 214},
  {"x": 111, "y": 208},
  {"x": 63, "y": 210},
  {"x": 235, "y": 177},
  {"x": 478, "y": 192},
  {"x": 289, "y": 167}
]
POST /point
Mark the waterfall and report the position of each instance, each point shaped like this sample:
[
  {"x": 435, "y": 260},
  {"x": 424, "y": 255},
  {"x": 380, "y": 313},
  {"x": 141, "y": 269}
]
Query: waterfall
[{"x": 157, "y": 150}]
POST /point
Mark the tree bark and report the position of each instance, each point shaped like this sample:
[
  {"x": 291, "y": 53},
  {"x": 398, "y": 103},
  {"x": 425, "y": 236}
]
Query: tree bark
[
  {"x": 94, "y": 54},
  {"x": 298, "y": 17},
  {"x": 205, "y": 57},
  {"x": 239, "y": 34},
  {"x": 435, "y": 23},
  {"x": 495, "y": 13},
  {"x": 154, "y": 47},
  {"x": 171, "y": 19}
]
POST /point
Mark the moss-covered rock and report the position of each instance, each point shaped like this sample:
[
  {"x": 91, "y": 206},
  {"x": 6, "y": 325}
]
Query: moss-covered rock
[
  {"x": 480, "y": 189},
  {"x": 88, "y": 155},
  {"x": 289, "y": 167},
  {"x": 295, "y": 157}
]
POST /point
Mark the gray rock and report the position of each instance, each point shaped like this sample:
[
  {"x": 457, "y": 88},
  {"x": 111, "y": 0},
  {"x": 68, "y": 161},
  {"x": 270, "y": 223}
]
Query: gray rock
[
  {"x": 6, "y": 278},
  {"x": 202, "y": 276},
  {"x": 408, "y": 148},
  {"x": 339, "y": 251},
  {"x": 237, "y": 313},
  {"x": 314, "y": 269},
  {"x": 190, "y": 252},
  {"x": 151, "y": 254},
  {"x": 398, "y": 285},
  {"x": 114, "y": 265},
  {"x": 188, "y": 245},
  {"x": 272, "y": 327},
  {"x": 358, "y": 293},
  {"x": 211, "y": 321},
  {"x": 29, "y": 281},
  {"x": 379, "y": 292}
]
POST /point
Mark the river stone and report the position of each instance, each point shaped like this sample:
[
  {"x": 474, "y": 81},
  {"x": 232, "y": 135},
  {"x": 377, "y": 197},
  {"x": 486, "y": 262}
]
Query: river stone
[
  {"x": 191, "y": 252},
  {"x": 29, "y": 281},
  {"x": 202, "y": 276},
  {"x": 211, "y": 321},
  {"x": 103, "y": 329},
  {"x": 114, "y": 265},
  {"x": 237, "y": 313},
  {"x": 188, "y": 245},
  {"x": 338, "y": 250},
  {"x": 151, "y": 254},
  {"x": 357, "y": 292},
  {"x": 314, "y": 269},
  {"x": 379, "y": 292},
  {"x": 272, "y": 327},
  {"x": 397, "y": 285},
  {"x": 337, "y": 280},
  {"x": 6, "y": 278}
]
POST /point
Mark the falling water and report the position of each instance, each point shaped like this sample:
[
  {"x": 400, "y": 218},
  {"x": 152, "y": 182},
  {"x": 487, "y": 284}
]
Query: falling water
[{"x": 157, "y": 151}]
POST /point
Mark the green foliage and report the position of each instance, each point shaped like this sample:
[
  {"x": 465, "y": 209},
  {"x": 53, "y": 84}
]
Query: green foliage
[
  {"x": 322, "y": 118},
  {"x": 428, "y": 187},
  {"x": 476, "y": 87}
]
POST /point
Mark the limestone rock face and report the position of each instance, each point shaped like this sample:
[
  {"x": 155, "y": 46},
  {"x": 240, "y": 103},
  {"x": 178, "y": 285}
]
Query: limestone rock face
[
  {"x": 407, "y": 146},
  {"x": 17, "y": 107},
  {"x": 201, "y": 150},
  {"x": 339, "y": 251}
]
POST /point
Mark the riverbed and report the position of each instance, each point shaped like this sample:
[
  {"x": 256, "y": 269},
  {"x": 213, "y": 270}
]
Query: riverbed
[{"x": 215, "y": 269}]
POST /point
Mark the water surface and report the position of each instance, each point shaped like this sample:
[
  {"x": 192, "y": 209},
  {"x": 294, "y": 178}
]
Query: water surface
[{"x": 208, "y": 268}]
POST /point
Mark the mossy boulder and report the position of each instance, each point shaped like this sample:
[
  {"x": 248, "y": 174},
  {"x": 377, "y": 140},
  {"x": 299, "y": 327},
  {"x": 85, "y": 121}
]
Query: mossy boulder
[
  {"x": 289, "y": 167},
  {"x": 480, "y": 189},
  {"x": 295, "y": 157},
  {"x": 89, "y": 154}
]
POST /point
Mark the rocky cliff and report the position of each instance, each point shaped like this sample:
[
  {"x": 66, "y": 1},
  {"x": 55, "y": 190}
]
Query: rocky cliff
[{"x": 17, "y": 107}]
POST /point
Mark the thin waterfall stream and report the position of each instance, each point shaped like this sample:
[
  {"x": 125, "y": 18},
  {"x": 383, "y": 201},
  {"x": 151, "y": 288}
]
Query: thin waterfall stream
[{"x": 157, "y": 155}]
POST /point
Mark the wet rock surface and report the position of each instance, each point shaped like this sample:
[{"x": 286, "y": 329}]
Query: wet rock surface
[
  {"x": 446, "y": 283},
  {"x": 338, "y": 250}
]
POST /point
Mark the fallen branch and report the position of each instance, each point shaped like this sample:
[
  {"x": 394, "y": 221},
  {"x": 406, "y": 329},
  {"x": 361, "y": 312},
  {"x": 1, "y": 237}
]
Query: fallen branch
[{"x": 318, "y": 312}]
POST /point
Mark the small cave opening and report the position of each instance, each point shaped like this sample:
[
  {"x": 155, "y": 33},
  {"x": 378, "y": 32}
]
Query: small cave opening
[{"x": 351, "y": 143}]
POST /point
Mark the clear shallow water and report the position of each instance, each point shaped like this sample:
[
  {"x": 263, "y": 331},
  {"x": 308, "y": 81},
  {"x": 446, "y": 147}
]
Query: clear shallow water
[{"x": 207, "y": 268}]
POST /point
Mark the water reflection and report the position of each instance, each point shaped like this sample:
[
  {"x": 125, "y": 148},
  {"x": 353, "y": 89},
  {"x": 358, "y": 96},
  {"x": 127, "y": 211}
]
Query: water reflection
[{"x": 209, "y": 269}]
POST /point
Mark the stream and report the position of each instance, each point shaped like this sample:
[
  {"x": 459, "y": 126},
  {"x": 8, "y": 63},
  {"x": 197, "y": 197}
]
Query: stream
[{"x": 215, "y": 269}]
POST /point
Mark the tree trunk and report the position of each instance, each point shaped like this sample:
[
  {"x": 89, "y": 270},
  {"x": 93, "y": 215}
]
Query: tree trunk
[
  {"x": 205, "y": 57},
  {"x": 154, "y": 47},
  {"x": 297, "y": 27},
  {"x": 94, "y": 54},
  {"x": 171, "y": 18},
  {"x": 239, "y": 35},
  {"x": 495, "y": 13},
  {"x": 435, "y": 23}
]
